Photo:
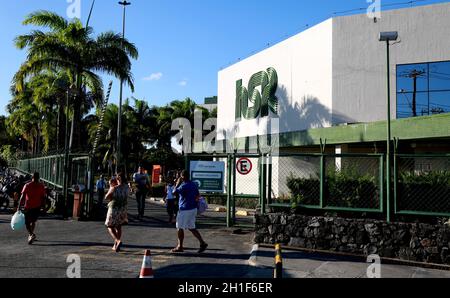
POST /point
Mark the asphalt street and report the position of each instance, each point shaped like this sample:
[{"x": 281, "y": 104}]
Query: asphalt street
[
  {"x": 231, "y": 253},
  {"x": 226, "y": 257}
]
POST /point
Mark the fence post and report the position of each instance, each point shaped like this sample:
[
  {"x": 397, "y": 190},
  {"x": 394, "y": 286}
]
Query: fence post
[
  {"x": 323, "y": 144},
  {"x": 396, "y": 140},
  {"x": 229, "y": 190},
  {"x": 269, "y": 180},
  {"x": 262, "y": 183},
  {"x": 381, "y": 183},
  {"x": 233, "y": 196},
  {"x": 322, "y": 180}
]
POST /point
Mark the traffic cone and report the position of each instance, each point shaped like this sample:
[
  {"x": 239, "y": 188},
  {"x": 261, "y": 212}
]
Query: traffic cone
[{"x": 146, "y": 270}]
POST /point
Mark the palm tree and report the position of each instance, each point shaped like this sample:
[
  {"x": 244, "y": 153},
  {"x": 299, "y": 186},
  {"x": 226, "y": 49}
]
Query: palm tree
[
  {"x": 70, "y": 47},
  {"x": 25, "y": 118}
]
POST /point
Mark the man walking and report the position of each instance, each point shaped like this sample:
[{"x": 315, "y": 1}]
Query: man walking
[
  {"x": 101, "y": 186},
  {"x": 188, "y": 201},
  {"x": 34, "y": 194},
  {"x": 142, "y": 183}
]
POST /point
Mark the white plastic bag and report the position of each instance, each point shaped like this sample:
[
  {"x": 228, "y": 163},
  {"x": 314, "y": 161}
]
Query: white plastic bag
[
  {"x": 202, "y": 206},
  {"x": 18, "y": 221}
]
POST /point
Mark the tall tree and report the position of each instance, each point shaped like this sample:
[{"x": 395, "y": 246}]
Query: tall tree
[{"x": 70, "y": 47}]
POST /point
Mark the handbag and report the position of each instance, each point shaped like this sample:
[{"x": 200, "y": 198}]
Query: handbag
[
  {"x": 18, "y": 221},
  {"x": 202, "y": 205}
]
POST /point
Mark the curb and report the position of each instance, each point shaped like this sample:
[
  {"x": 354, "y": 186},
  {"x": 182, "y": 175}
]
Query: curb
[{"x": 387, "y": 261}]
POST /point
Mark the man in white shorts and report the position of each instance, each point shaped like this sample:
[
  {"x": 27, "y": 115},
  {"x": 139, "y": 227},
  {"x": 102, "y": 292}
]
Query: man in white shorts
[{"x": 188, "y": 202}]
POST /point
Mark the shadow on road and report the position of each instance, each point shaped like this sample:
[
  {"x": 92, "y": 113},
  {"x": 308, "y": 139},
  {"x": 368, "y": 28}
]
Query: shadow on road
[
  {"x": 199, "y": 270},
  {"x": 315, "y": 256}
]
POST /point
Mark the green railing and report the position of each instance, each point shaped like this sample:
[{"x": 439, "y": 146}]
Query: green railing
[
  {"x": 422, "y": 184},
  {"x": 50, "y": 168},
  {"x": 340, "y": 182},
  {"x": 347, "y": 182}
]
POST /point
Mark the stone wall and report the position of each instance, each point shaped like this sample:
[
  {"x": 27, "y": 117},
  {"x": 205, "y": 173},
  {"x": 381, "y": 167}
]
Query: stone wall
[{"x": 406, "y": 241}]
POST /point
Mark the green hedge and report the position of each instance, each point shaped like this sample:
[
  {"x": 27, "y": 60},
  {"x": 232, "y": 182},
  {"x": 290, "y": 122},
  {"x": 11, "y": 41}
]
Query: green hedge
[
  {"x": 427, "y": 192},
  {"x": 342, "y": 189}
]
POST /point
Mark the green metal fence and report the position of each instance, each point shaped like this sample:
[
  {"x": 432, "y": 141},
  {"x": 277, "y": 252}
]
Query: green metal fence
[
  {"x": 339, "y": 182},
  {"x": 240, "y": 191},
  {"x": 347, "y": 182},
  {"x": 422, "y": 184},
  {"x": 50, "y": 168}
]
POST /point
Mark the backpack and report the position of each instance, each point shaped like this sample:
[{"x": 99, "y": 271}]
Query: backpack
[{"x": 202, "y": 206}]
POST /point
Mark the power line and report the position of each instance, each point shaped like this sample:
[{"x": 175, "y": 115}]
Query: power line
[{"x": 385, "y": 5}]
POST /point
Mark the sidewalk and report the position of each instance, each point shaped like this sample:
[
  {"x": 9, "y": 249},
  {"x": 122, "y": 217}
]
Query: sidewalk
[{"x": 298, "y": 264}]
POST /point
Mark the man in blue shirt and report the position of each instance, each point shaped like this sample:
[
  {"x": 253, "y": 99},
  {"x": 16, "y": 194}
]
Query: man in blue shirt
[{"x": 188, "y": 202}]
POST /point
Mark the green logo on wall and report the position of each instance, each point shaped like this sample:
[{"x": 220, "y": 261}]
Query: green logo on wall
[{"x": 263, "y": 100}]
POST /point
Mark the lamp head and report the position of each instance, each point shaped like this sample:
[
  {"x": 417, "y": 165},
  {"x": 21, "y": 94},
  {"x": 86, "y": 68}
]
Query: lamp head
[{"x": 388, "y": 36}]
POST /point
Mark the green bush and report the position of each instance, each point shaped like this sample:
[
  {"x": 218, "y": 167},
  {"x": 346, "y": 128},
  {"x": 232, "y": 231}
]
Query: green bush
[
  {"x": 305, "y": 191},
  {"x": 346, "y": 188},
  {"x": 428, "y": 192},
  {"x": 350, "y": 189}
]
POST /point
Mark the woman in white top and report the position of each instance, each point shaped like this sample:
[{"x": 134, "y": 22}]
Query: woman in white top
[{"x": 171, "y": 202}]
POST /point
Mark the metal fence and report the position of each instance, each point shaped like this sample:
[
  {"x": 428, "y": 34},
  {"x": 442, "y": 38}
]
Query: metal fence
[
  {"x": 241, "y": 188},
  {"x": 422, "y": 184},
  {"x": 330, "y": 182},
  {"x": 51, "y": 170}
]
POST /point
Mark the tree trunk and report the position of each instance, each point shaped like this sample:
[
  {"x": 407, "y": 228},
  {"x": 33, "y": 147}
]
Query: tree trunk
[{"x": 74, "y": 143}]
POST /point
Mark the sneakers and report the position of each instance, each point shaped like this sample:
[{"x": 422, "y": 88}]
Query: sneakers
[{"x": 31, "y": 239}]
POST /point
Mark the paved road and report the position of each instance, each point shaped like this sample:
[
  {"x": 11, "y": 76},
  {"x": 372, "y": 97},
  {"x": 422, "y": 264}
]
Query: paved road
[{"x": 227, "y": 255}]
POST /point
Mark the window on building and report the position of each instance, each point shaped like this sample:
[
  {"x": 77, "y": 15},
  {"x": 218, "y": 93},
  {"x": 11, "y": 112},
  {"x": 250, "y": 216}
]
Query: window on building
[{"x": 423, "y": 89}]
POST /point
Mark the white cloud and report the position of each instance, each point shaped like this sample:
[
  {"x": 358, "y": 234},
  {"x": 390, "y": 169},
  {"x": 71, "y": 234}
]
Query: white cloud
[
  {"x": 154, "y": 77},
  {"x": 183, "y": 83}
]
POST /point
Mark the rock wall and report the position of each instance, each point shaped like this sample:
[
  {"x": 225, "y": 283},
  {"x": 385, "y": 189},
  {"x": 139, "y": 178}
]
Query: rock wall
[{"x": 406, "y": 241}]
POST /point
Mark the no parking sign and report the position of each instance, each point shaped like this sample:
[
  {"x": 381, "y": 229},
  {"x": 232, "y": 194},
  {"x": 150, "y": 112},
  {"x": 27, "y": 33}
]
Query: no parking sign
[{"x": 244, "y": 166}]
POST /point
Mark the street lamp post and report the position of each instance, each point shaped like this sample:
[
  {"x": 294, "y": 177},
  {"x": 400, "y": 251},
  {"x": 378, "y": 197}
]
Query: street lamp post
[
  {"x": 66, "y": 159},
  {"x": 119, "y": 124},
  {"x": 387, "y": 37}
]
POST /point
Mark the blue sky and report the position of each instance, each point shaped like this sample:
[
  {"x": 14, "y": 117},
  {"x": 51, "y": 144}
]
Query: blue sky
[{"x": 182, "y": 43}]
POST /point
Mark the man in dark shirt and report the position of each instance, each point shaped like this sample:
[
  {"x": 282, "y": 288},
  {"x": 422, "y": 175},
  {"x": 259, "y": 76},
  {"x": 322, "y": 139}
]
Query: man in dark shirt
[
  {"x": 142, "y": 183},
  {"x": 188, "y": 202}
]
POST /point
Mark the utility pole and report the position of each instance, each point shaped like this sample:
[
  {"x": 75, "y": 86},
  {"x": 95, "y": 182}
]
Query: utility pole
[
  {"x": 414, "y": 75},
  {"x": 119, "y": 125}
]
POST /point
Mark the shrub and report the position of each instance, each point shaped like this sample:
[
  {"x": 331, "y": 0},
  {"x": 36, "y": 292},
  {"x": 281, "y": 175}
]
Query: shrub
[
  {"x": 428, "y": 192},
  {"x": 346, "y": 188}
]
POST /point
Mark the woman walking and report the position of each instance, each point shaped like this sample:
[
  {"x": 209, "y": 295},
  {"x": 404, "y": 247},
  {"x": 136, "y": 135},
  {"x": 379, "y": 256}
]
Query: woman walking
[{"x": 117, "y": 209}]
